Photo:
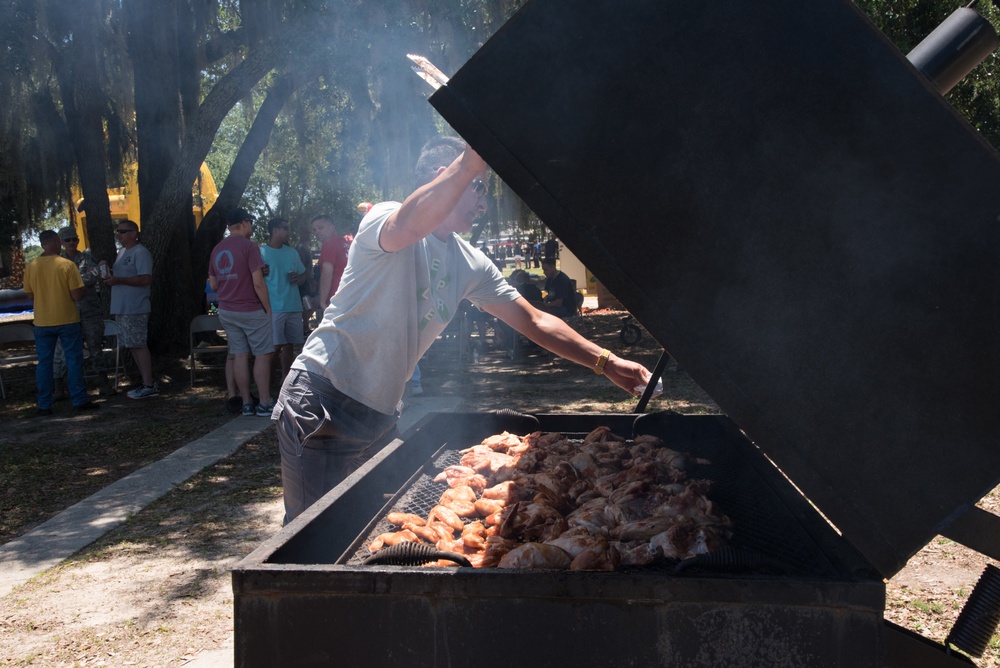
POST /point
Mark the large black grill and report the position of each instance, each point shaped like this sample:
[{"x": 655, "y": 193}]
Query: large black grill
[{"x": 810, "y": 229}]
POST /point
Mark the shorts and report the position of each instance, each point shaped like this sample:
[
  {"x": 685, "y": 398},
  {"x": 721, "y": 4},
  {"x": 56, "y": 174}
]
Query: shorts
[
  {"x": 287, "y": 328},
  {"x": 247, "y": 331},
  {"x": 132, "y": 328}
]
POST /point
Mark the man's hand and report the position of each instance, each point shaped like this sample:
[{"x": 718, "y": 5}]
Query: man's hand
[{"x": 627, "y": 375}]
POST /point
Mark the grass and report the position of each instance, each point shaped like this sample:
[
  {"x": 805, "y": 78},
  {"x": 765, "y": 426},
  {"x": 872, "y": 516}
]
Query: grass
[
  {"x": 928, "y": 608},
  {"x": 48, "y": 464}
]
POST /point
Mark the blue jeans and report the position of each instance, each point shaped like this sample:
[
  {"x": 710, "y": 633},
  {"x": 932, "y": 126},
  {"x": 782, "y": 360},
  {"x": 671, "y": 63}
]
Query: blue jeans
[
  {"x": 71, "y": 338},
  {"x": 323, "y": 437}
]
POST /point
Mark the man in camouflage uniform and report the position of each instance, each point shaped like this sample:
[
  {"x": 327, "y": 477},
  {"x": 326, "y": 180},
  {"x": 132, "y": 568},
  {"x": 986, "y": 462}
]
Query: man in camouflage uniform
[{"x": 91, "y": 312}]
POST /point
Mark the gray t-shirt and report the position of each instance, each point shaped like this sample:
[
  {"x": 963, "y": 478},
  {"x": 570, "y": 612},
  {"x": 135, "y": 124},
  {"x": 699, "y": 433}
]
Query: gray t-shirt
[
  {"x": 129, "y": 299},
  {"x": 391, "y": 307}
]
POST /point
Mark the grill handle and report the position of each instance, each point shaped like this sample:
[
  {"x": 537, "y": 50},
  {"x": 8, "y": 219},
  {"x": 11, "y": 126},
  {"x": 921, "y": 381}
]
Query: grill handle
[{"x": 412, "y": 554}]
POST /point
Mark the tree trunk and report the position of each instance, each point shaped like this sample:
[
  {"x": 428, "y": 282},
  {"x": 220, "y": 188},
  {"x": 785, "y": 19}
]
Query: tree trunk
[
  {"x": 158, "y": 120},
  {"x": 84, "y": 102},
  {"x": 212, "y": 227},
  {"x": 166, "y": 233}
]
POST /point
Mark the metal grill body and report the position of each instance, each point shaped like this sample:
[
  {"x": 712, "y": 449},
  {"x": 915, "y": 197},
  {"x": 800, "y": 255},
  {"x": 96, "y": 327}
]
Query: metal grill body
[{"x": 816, "y": 603}]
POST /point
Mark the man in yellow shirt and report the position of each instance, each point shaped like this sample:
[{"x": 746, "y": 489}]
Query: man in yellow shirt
[{"x": 55, "y": 285}]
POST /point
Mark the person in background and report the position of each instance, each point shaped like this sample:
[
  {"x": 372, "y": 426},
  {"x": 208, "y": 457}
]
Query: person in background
[
  {"x": 236, "y": 272},
  {"x": 286, "y": 274},
  {"x": 521, "y": 280},
  {"x": 91, "y": 314},
  {"x": 551, "y": 248},
  {"x": 332, "y": 258},
  {"x": 560, "y": 297},
  {"x": 54, "y": 284},
  {"x": 407, "y": 274},
  {"x": 130, "y": 280},
  {"x": 308, "y": 287}
]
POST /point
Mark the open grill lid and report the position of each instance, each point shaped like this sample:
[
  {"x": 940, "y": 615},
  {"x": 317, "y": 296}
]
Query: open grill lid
[{"x": 793, "y": 212}]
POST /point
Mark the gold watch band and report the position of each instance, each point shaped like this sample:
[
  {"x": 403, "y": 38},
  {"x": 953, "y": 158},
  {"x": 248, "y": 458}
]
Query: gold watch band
[{"x": 601, "y": 361}]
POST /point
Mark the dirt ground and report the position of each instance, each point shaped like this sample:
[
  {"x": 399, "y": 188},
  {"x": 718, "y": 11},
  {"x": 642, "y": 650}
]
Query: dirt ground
[{"x": 157, "y": 591}]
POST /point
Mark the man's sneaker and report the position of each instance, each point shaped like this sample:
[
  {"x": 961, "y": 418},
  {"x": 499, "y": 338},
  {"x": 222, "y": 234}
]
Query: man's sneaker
[
  {"x": 144, "y": 392},
  {"x": 44, "y": 411},
  {"x": 89, "y": 406},
  {"x": 248, "y": 409},
  {"x": 265, "y": 410}
]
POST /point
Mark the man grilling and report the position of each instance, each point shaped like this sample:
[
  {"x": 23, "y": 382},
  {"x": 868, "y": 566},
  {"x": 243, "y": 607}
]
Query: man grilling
[{"x": 407, "y": 272}]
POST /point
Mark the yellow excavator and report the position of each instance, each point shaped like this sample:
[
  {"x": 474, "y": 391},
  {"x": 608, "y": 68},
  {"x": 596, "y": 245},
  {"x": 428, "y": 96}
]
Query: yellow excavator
[{"x": 125, "y": 202}]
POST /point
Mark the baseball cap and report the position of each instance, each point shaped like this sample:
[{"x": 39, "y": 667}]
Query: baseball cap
[
  {"x": 68, "y": 233},
  {"x": 237, "y": 216}
]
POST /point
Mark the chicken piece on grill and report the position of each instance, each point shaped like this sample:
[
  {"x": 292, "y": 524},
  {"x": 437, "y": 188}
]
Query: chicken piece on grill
[
  {"x": 454, "y": 471},
  {"x": 638, "y": 553},
  {"x": 678, "y": 461},
  {"x": 536, "y": 556},
  {"x": 502, "y": 442},
  {"x": 591, "y": 516},
  {"x": 531, "y": 461},
  {"x": 489, "y": 506},
  {"x": 474, "y": 536},
  {"x": 602, "y": 434},
  {"x": 597, "y": 558},
  {"x": 399, "y": 519},
  {"x": 496, "y": 547},
  {"x": 505, "y": 491},
  {"x": 442, "y": 529},
  {"x": 623, "y": 513},
  {"x": 585, "y": 464},
  {"x": 643, "y": 529},
  {"x": 423, "y": 532},
  {"x": 629, "y": 490},
  {"x": 686, "y": 540},
  {"x": 543, "y": 440},
  {"x": 579, "y": 539},
  {"x": 477, "y": 482},
  {"x": 485, "y": 460},
  {"x": 447, "y": 516},
  {"x": 392, "y": 538},
  {"x": 461, "y": 500},
  {"x": 462, "y": 508},
  {"x": 532, "y": 521},
  {"x": 494, "y": 519},
  {"x": 462, "y": 493}
]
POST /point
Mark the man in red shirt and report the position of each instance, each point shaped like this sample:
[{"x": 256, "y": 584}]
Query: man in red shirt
[
  {"x": 332, "y": 258},
  {"x": 235, "y": 271}
]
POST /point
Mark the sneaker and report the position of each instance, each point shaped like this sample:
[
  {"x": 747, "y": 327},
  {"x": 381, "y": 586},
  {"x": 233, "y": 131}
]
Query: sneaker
[
  {"x": 416, "y": 389},
  {"x": 144, "y": 392},
  {"x": 89, "y": 406},
  {"x": 234, "y": 405},
  {"x": 265, "y": 410},
  {"x": 248, "y": 409},
  {"x": 45, "y": 411}
]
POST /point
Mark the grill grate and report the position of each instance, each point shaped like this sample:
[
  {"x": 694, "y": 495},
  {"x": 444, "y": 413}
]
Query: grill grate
[{"x": 762, "y": 525}]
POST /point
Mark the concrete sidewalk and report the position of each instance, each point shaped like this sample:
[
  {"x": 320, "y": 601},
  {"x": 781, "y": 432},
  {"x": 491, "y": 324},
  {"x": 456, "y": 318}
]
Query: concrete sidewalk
[{"x": 79, "y": 525}]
